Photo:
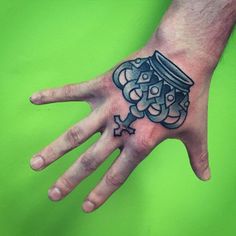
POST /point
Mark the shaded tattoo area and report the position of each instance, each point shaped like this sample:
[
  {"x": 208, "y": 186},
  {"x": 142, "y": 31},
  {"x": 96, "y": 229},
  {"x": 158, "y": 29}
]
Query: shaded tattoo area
[{"x": 156, "y": 88}]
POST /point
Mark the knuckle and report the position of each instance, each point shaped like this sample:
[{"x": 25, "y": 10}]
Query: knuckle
[
  {"x": 131, "y": 158},
  {"x": 114, "y": 179},
  {"x": 75, "y": 136},
  {"x": 104, "y": 83},
  {"x": 143, "y": 145},
  {"x": 88, "y": 163},
  {"x": 65, "y": 184},
  {"x": 68, "y": 90}
]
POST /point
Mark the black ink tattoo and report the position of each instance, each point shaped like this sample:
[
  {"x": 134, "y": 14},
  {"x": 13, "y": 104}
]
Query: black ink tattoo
[{"x": 156, "y": 88}]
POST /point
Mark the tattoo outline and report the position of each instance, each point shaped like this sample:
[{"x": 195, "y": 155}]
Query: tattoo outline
[{"x": 156, "y": 88}]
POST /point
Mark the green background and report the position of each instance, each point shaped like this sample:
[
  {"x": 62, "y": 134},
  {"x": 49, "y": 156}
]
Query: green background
[{"x": 49, "y": 43}]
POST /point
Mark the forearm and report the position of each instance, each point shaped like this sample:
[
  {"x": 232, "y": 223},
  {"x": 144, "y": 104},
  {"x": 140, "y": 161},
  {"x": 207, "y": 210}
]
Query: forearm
[{"x": 195, "y": 32}]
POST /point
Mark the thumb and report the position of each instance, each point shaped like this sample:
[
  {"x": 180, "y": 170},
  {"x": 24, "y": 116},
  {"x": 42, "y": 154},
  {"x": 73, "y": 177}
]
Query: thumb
[{"x": 196, "y": 145}]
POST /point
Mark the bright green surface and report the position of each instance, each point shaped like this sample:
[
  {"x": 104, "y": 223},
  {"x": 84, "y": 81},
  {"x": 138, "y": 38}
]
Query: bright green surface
[{"x": 50, "y": 43}]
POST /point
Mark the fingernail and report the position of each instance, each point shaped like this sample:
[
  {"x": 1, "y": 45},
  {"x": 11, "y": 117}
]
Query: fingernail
[
  {"x": 206, "y": 174},
  {"x": 31, "y": 99},
  {"x": 55, "y": 194},
  {"x": 37, "y": 162},
  {"x": 88, "y": 206},
  {"x": 35, "y": 98}
]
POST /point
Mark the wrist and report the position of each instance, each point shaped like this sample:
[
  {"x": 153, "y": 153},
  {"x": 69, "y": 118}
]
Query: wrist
[{"x": 193, "y": 34}]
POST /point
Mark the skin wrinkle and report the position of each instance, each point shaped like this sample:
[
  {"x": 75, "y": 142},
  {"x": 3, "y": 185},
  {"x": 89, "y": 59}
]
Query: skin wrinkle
[
  {"x": 74, "y": 136},
  {"x": 69, "y": 91},
  {"x": 114, "y": 179},
  {"x": 65, "y": 185},
  {"x": 89, "y": 163},
  {"x": 201, "y": 164}
]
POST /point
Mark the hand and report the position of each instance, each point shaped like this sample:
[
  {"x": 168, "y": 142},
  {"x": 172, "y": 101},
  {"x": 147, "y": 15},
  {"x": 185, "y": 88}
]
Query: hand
[
  {"x": 107, "y": 101},
  {"x": 126, "y": 118}
]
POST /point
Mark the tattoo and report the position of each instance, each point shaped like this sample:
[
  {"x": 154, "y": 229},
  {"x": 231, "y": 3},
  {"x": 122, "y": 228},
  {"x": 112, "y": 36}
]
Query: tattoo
[{"x": 156, "y": 88}]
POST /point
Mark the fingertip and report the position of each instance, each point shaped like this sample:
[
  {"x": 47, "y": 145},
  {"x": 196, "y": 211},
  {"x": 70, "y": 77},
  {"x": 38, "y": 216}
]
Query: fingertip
[
  {"x": 30, "y": 99},
  {"x": 55, "y": 194},
  {"x": 88, "y": 206},
  {"x": 35, "y": 99},
  {"x": 37, "y": 163},
  {"x": 205, "y": 176}
]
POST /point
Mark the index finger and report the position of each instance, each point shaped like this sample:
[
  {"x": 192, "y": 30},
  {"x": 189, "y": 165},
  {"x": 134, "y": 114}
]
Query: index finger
[{"x": 71, "y": 92}]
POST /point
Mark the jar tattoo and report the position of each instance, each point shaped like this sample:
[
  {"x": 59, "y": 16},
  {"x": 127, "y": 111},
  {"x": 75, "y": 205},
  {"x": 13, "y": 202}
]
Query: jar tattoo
[{"x": 155, "y": 88}]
